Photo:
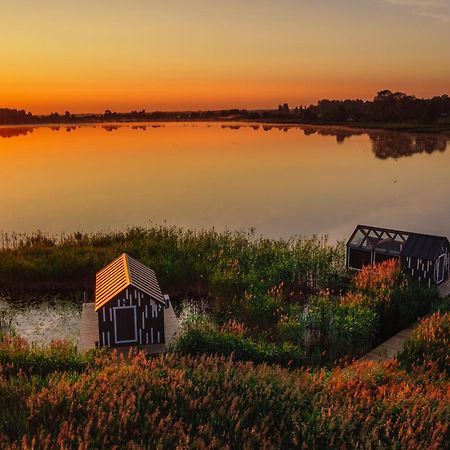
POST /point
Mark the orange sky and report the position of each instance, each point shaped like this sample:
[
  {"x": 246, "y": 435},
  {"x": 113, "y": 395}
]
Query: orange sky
[{"x": 166, "y": 54}]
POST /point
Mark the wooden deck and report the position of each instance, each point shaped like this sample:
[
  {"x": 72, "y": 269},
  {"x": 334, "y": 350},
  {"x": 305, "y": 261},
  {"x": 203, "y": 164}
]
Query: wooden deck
[
  {"x": 89, "y": 330},
  {"x": 88, "y": 327},
  {"x": 390, "y": 348}
]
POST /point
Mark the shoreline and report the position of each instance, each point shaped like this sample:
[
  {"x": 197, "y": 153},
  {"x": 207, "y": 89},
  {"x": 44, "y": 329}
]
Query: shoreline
[{"x": 357, "y": 126}]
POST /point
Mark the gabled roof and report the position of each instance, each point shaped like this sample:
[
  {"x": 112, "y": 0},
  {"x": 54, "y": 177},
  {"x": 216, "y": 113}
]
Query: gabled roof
[
  {"x": 123, "y": 272},
  {"x": 378, "y": 239},
  {"x": 396, "y": 242},
  {"x": 423, "y": 246}
]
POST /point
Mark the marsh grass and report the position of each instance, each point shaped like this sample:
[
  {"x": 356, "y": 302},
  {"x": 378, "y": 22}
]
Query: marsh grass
[
  {"x": 197, "y": 264},
  {"x": 177, "y": 401}
]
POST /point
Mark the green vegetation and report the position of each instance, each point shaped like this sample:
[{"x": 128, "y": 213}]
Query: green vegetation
[
  {"x": 202, "y": 336},
  {"x": 429, "y": 345},
  {"x": 292, "y": 299},
  {"x": 204, "y": 263},
  {"x": 319, "y": 332},
  {"x": 258, "y": 371},
  {"x": 216, "y": 402},
  {"x": 16, "y": 355}
]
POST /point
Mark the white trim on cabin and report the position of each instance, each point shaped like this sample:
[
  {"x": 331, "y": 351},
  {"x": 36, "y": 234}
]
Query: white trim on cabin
[{"x": 438, "y": 268}]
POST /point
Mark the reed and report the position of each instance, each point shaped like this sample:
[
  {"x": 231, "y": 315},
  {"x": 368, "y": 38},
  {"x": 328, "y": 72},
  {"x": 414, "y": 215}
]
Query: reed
[
  {"x": 205, "y": 263},
  {"x": 216, "y": 402}
]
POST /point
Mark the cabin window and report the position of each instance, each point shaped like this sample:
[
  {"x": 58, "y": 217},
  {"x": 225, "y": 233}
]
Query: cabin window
[
  {"x": 125, "y": 324},
  {"x": 381, "y": 257},
  {"x": 357, "y": 259}
]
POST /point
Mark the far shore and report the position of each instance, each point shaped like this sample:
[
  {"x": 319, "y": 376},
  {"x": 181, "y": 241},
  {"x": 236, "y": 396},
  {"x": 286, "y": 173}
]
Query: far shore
[{"x": 442, "y": 128}]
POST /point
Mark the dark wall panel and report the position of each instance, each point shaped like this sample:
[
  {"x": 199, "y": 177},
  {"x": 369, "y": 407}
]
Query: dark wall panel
[
  {"x": 148, "y": 328},
  {"x": 356, "y": 259}
]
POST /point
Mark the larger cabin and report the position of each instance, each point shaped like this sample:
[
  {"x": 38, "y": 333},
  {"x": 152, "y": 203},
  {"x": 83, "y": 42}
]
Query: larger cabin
[
  {"x": 424, "y": 257},
  {"x": 129, "y": 304}
]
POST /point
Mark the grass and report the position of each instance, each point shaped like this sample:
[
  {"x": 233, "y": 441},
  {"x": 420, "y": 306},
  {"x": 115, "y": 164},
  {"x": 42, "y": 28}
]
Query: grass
[
  {"x": 176, "y": 401},
  {"x": 203, "y": 263},
  {"x": 325, "y": 330}
]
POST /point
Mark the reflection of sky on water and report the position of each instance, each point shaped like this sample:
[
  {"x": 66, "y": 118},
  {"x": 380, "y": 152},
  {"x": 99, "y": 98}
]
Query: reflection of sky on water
[
  {"x": 282, "y": 180},
  {"x": 42, "y": 320}
]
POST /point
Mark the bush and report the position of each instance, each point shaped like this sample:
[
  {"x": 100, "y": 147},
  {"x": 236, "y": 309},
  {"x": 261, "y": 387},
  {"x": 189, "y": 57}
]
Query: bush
[
  {"x": 429, "y": 345},
  {"x": 203, "y": 337},
  {"x": 16, "y": 355},
  {"x": 398, "y": 301},
  {"x": 338, "y": 330},
  {"x": 353, "y": 331}
]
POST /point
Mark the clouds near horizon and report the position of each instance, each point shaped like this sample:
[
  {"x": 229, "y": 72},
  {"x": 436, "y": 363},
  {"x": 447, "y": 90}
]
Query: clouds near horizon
[{"x": 432, "y": 9}]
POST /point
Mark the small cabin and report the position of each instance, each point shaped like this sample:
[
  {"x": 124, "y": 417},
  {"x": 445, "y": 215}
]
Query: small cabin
[
  {"x": 424, "y": 257},
  {"x": 129, "y": 304}
]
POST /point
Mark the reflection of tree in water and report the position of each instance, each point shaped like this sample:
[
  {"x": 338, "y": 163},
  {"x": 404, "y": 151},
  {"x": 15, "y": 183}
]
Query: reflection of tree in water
[
  {"x": 9, "y": 132},
  {"x": 386, "y": 145},
  {"x": 110, "y": 127}
]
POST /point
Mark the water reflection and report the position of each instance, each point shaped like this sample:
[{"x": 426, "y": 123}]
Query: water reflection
[
  {"x": 395, "y": 146},
  {"x": 8, "y": 132},
  {"x": 281, "y": 179},
  {"x": 385, "y": 144}
]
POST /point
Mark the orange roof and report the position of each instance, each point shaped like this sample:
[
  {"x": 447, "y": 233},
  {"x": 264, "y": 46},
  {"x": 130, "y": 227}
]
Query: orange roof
[{"x": 123, "y": 272}]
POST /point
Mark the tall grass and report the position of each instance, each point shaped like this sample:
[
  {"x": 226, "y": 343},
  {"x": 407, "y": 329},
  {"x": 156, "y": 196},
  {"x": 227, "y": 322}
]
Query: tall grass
[
  {"x": 202, "y": 263},
  {"x": 176, "y": 401},
  {"x": 429, "y": 345},
  {"x": 324, "y": 330}
]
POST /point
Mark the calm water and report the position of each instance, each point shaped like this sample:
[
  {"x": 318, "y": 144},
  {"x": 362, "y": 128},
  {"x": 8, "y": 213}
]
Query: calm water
[{"x": 282, "y": 181}]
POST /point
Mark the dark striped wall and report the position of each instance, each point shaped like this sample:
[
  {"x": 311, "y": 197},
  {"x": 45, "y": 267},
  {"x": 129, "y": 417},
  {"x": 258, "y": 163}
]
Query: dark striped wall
[
  {"x": 149, "y": 319},
  {"x": 423, "y": 270}
]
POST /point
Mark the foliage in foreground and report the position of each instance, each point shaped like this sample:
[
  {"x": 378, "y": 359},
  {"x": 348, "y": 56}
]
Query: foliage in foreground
[
  {"x": 429, "y": 344},
  {"x": 215, "y": 402},
  {"x": 17, "y": 355}
]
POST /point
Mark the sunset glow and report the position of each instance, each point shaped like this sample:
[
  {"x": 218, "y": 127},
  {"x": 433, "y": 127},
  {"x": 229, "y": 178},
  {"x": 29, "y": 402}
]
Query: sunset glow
[{"x": 169, "y": 55}]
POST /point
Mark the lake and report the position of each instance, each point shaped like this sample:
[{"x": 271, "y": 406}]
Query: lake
[{"x": 280, "y": 180}]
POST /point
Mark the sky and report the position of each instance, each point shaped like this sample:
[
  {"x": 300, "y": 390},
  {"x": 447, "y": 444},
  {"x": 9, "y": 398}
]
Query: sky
[{"x": 88, "y": 56}]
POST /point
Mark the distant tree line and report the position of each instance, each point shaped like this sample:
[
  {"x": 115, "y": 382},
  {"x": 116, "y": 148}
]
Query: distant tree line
[
  {"x": 15, "y": 116},
  {"x": 386, "y": 107}
]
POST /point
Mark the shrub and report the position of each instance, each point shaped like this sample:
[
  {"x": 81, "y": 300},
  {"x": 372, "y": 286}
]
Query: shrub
[
  {"x": 353, "y": 330},
  {"x": 429, "y": 344},
  {"x": 336, "y": 329},
  {"x": 203, "y": 337},
  {"x": 16, "y": 355},
  {"x": 399, "y": 301}
]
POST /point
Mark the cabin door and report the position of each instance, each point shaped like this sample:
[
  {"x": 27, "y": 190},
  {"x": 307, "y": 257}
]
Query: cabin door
[
  {"x": 440, "y": 269},
  {"x": 125, "y": 324}
]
